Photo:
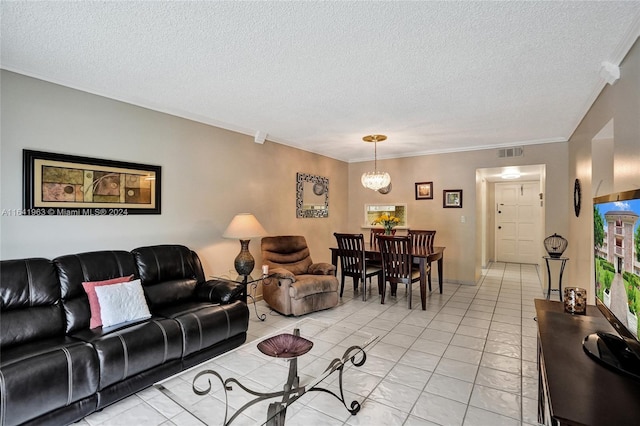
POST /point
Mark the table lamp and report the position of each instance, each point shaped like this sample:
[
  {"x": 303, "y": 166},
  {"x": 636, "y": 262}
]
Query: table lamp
[{"x": 244, "y": 226}]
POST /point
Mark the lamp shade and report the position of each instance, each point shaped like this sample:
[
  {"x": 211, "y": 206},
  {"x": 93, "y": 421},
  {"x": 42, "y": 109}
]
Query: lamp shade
[{"x": 244, "y": 226}]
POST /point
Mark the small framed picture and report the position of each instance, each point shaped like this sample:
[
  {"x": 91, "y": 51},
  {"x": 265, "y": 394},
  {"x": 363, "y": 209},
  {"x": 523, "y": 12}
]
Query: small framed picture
[
  {"x": 424, "y": 190},
  {"x": 452, "y": 198}
]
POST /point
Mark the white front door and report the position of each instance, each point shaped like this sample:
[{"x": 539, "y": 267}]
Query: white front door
[{"x": 518, "y": 224}]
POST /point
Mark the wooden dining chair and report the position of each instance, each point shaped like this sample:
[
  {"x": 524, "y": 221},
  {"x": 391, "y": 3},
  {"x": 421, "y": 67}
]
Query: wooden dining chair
[
  {"x": 353, "y": 262},
  {"x": 397, "y": 264},
  {"x": 422, "y": 238},
  {"x": 378, "y": 231}
]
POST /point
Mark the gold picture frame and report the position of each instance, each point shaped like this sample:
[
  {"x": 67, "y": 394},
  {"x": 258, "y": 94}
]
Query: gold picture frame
[{"x": 58, "y": 184}]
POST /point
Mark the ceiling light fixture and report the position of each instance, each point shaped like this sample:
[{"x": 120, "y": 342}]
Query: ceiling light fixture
[
  {"x": 510, "y": 175},
  {"x": 376, "y": 179}
]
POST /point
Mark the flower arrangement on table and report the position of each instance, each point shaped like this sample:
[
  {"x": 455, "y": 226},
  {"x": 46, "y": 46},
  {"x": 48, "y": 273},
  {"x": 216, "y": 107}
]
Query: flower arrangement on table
[{"x": 388, "y": 221}]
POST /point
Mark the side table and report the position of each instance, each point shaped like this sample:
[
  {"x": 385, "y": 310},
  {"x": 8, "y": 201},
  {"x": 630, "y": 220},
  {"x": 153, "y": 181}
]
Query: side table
[
  {"x": 246, "y": 281},
  {"x": 563, "y": 262}
]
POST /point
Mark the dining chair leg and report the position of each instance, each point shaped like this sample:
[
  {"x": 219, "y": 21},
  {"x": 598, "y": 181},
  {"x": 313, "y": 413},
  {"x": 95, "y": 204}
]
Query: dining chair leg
[
  {"x": 429, "y": 277},
  {"x": 383, "y": 291},
  {"x": 409, "y": 293},
  {"x": 364, "y": 289},
  {"x": 341, "y": 285}
]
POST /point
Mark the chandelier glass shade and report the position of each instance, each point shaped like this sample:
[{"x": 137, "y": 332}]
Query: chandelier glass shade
[{"x": 376, "y": 179}]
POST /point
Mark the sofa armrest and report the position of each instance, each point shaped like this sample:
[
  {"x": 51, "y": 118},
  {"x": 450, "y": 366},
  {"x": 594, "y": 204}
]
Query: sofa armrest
[
  {"x": 219, "y": 291},
  {"x": 281, "y": 273},
  {"x": 276, "y": 290},
  {"x": 322, "y": 268}
]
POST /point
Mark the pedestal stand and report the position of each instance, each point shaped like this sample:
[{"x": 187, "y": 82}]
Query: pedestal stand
[{"x": 563, "y": 263}]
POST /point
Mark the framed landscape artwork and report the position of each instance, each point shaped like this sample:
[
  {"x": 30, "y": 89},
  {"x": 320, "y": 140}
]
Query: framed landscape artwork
[
  {"x": 58, "y": 184},
  {"x": 452, "y": 198},
  {"x": 424, "y": 190}
]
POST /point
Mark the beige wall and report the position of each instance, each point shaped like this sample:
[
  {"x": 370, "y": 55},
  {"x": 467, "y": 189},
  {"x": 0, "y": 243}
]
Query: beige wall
[
  {"x": 620, "y": 102},
  {"x": 209, "y": 175},
  {"x": 458, "y": 171}
]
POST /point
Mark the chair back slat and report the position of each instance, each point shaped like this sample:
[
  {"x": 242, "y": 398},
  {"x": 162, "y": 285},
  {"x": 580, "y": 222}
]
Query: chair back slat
[
  {"x": 396, "y": 258},
  {"x": 377, "y": 231},
  {"x": 422, "y": 238},
  {"x": 351, "y": 253}
]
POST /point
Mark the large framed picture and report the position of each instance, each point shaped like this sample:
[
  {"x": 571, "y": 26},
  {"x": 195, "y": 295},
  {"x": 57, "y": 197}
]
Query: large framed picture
[
  {"x": 424, "y": 190},
  {"x": 59, "y": 184},
  {"x": 452, "y": 198}
]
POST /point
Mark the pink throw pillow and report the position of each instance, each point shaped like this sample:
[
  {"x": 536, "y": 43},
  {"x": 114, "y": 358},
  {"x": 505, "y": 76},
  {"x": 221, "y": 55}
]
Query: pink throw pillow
[{"x": 94, "y": 304}]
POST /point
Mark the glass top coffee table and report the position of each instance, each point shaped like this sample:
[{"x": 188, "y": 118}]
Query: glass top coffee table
[{"x": 257, "y": 382}]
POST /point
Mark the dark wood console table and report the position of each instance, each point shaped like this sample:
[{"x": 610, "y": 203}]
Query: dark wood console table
[{"x": 573, "y": 388}]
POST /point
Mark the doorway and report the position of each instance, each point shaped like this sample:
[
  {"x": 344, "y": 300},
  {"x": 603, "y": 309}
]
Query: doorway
[
  {"x": 518, "y": 228},
  {"x": 527, "y": 189}
]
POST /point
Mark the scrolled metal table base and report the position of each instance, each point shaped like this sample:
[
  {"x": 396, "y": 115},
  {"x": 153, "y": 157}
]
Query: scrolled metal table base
[{"x": 292, "y": 390}]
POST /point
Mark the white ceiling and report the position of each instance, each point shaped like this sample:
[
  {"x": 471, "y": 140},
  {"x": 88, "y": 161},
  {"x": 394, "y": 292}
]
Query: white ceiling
[{"x": 432, "y": 76}]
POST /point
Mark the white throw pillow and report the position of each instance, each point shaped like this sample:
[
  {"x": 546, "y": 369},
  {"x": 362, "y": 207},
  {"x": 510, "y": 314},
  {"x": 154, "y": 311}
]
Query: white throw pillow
[{"x": 122, "y": 302}]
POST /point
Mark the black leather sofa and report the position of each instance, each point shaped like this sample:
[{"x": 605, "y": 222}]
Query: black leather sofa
[{"x": 54, "y": 369}]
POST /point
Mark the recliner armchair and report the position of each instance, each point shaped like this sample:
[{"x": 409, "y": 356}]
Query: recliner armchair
[{"x": 296, "y": 286}]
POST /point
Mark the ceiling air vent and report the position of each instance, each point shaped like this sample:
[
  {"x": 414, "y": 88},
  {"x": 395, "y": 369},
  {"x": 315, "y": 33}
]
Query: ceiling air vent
[{"x": 515, "y": 151}]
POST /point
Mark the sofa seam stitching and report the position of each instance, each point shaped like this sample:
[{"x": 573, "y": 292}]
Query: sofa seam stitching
[
  {"x": 228, "y": 322},
  {"x": 3, "y": 399},
  {"x": 199, "y": 330},
  {"x": 126, "y": 356},
  {"x": 30, "y": 280},
  {"x": 67, "y": 355},
  {"x": 164, "y": 335}
]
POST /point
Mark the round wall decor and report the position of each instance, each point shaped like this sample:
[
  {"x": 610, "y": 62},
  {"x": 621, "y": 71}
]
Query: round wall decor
[
  {"x": 385, "y": 190},
  {"x": 577, "y": 197}
]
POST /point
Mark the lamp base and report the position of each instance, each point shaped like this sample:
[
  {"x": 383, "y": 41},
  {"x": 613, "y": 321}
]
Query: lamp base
[{"x": 244, "y": 262}]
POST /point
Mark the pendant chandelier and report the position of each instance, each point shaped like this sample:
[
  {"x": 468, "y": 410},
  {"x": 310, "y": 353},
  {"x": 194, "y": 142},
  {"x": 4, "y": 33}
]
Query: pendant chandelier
[{"x": 375, "y": 180}]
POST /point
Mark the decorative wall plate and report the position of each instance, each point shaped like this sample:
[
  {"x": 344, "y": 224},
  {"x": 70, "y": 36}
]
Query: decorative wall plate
[
  {"x": 319, "y": 188},
  {"x": 385, "y": 190}
]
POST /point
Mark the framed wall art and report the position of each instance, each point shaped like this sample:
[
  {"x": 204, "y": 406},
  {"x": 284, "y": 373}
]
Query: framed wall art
[
  {"x": 424, "y": 190},
  {"x": 452, "y": 198},
  {"x": 59, "y": 184}
]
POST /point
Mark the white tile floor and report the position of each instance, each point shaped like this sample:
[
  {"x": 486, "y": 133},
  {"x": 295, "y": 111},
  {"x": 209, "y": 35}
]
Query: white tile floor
[{"x": 469, "y": 359}]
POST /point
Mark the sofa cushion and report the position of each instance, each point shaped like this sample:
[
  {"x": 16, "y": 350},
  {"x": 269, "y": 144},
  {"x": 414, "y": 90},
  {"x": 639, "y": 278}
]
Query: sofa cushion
[
  {"x": 94, "y": 304},
  {"x": 29, "y": 302},
  {"x": 43, "y": 376},
  {"x": 169, "y": 273},
  {"x": 122, "y": 302},
  {"x": 74, "y": 269},
  {"x": 169, "y": 292},
  {"x": 128, "y": 349},
  {"x": 204, "y": 324},
  {"x": 307, "y": 285}
]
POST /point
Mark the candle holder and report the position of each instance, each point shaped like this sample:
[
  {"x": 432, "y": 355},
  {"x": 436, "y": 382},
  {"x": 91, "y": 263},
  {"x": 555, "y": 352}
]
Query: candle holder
[{"x": 575, "y": 300}]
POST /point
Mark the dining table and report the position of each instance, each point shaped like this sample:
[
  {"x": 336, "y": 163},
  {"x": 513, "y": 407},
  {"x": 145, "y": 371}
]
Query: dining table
[{"x": 422, "y": 256}]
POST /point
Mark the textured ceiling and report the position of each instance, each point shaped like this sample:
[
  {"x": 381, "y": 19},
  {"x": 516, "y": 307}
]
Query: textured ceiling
[{"x": 433, "y": 76}]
